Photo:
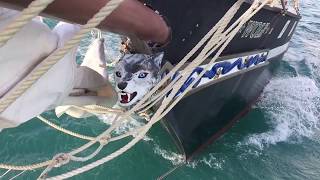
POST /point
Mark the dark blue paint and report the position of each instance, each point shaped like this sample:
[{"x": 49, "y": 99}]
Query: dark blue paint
[{"x": 226, "y": 68}]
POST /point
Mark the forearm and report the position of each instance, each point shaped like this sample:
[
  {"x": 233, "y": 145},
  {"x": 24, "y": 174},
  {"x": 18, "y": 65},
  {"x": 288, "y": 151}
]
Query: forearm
[{"x": 131, "y": 17}]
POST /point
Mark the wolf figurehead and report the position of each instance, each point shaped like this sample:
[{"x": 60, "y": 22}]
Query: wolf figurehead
[{"x": 135, "y": 75}]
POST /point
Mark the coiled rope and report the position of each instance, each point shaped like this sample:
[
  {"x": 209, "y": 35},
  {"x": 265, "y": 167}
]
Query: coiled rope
[{"x": 215, "y": 40}]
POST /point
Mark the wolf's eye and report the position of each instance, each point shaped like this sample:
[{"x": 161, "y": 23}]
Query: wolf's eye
[
  {"x": 118, "y": 74},
  {"x": 143, "y": 75}
]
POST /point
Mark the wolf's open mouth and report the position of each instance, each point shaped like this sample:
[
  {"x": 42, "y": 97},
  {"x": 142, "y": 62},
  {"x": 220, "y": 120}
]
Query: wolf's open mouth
[{"x": 127, "y": 97}]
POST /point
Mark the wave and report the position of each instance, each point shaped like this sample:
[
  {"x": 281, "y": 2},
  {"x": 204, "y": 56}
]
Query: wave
[
  {"x": 209, "y": 160},
  {"x": 112, "y": 46},
  {"x": 127, "y": 125},
  {"x": 291, "y": 108},
  {"x": 174, "y": 158}
]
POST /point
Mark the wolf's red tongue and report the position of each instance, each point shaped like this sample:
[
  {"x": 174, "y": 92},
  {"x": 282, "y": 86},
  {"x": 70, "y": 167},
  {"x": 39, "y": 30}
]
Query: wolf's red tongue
[{"x": 124, "y": 98}]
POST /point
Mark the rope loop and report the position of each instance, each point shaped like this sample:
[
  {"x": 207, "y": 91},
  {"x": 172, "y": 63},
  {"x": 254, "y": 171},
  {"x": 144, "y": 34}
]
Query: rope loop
[
  {"x": 105, "y": 140},
  {"x": 56, "y": 162},
  {"x": 60, "y": 160}
]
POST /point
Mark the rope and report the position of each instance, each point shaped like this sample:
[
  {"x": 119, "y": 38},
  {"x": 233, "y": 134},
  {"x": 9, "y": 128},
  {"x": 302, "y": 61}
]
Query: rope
[
  {"x": 170, "y": 171},
  {"x": 17, "y": 175},
  {"x": 140, "y": 135},
  {"x": 65, "y": 130},
  {"x": 84, "y": 159},
  {"x": 215, "y": 40},
  {"x": 50, "y": 61},
  {"x": 154, "y": 119},
  {"x": 33, "y": 10},
  {"x": 95, "y": 109},
  {"x": 196, "y": 63},
  {"x": 27, "y": 167},
  {"x": 103, "y": 142},
  {"x": 185, "y": 59},
  {"x": 9, "y": 170},
  {"x": 214, "y": 34}
]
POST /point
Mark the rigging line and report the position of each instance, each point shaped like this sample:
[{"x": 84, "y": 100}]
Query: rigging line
[
  {"x": 174, "y": 102},
  {"x": 68, "y": 132},
  {"x": 94, "y": 154},
  {"x": 5, "y": 173},
  {"x": 185, "y": 59},
  {"x": 172, "y": 170},
  {"x": 17, "y": 175},
  {"x": 121, "y": 150}
]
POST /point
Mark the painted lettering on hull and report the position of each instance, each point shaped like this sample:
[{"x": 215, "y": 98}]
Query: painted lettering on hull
[
  {"x": 254, "y": 29},
  {"x": 221, "y": 69}
]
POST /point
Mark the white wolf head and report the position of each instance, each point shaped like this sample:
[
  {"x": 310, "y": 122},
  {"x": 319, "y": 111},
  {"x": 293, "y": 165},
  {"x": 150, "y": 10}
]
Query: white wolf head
[{"x": 135, "y": 75}]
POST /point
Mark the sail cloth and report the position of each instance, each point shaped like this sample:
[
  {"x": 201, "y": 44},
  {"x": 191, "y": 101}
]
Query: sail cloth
[{"x": 23, "y": 52}]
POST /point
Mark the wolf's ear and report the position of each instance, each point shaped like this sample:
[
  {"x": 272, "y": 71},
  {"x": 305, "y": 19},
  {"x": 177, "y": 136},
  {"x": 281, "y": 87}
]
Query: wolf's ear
[{"x": 157, "y": 58}]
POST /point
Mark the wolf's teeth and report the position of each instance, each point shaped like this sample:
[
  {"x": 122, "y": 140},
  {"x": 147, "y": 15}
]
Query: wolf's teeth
[{"x": 129, "y": 97}]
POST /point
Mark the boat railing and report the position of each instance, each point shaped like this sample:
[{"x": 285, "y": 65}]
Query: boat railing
[{"x": 288, "y": 5}]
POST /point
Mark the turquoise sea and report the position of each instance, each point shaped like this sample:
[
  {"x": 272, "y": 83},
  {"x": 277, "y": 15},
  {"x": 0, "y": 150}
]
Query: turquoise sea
[{"x": 278, "y": 139}]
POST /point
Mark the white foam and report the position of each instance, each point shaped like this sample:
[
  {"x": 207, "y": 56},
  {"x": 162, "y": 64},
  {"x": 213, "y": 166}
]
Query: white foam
[
  {"x": 112, "y": 46},
  {"x": 127, "y": 125},
  {"x": 173, "y": 157},
  {"x": 210, "y": 160},
  {"x": 292, "y": 110}
]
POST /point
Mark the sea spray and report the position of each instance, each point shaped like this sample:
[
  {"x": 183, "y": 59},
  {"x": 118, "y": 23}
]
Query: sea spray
[
  {"x": 210, "y": 160},
  {"x": 174, "y": 158},
  {"x": 291, "y": 107}
]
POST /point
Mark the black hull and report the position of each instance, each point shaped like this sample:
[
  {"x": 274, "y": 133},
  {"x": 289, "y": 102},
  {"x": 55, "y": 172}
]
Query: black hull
[
  {"x": 206, "y": 113},
  {"x": 214, "y": 106},
  {"x": 190, "y": 20}
]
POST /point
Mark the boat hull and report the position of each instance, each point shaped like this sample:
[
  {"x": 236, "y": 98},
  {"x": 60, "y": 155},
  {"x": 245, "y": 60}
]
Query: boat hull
[
  {"x": 235, "y": 81},
  {"x": 210, "y": 110}
]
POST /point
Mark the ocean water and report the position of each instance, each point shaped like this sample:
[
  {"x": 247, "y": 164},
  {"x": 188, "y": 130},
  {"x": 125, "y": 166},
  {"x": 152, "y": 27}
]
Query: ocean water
[{"x": 278, "y": 139}]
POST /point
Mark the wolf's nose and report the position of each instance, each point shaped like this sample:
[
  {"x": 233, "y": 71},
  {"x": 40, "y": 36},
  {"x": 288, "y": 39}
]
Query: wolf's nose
[{"x": 122, "y": 85}]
